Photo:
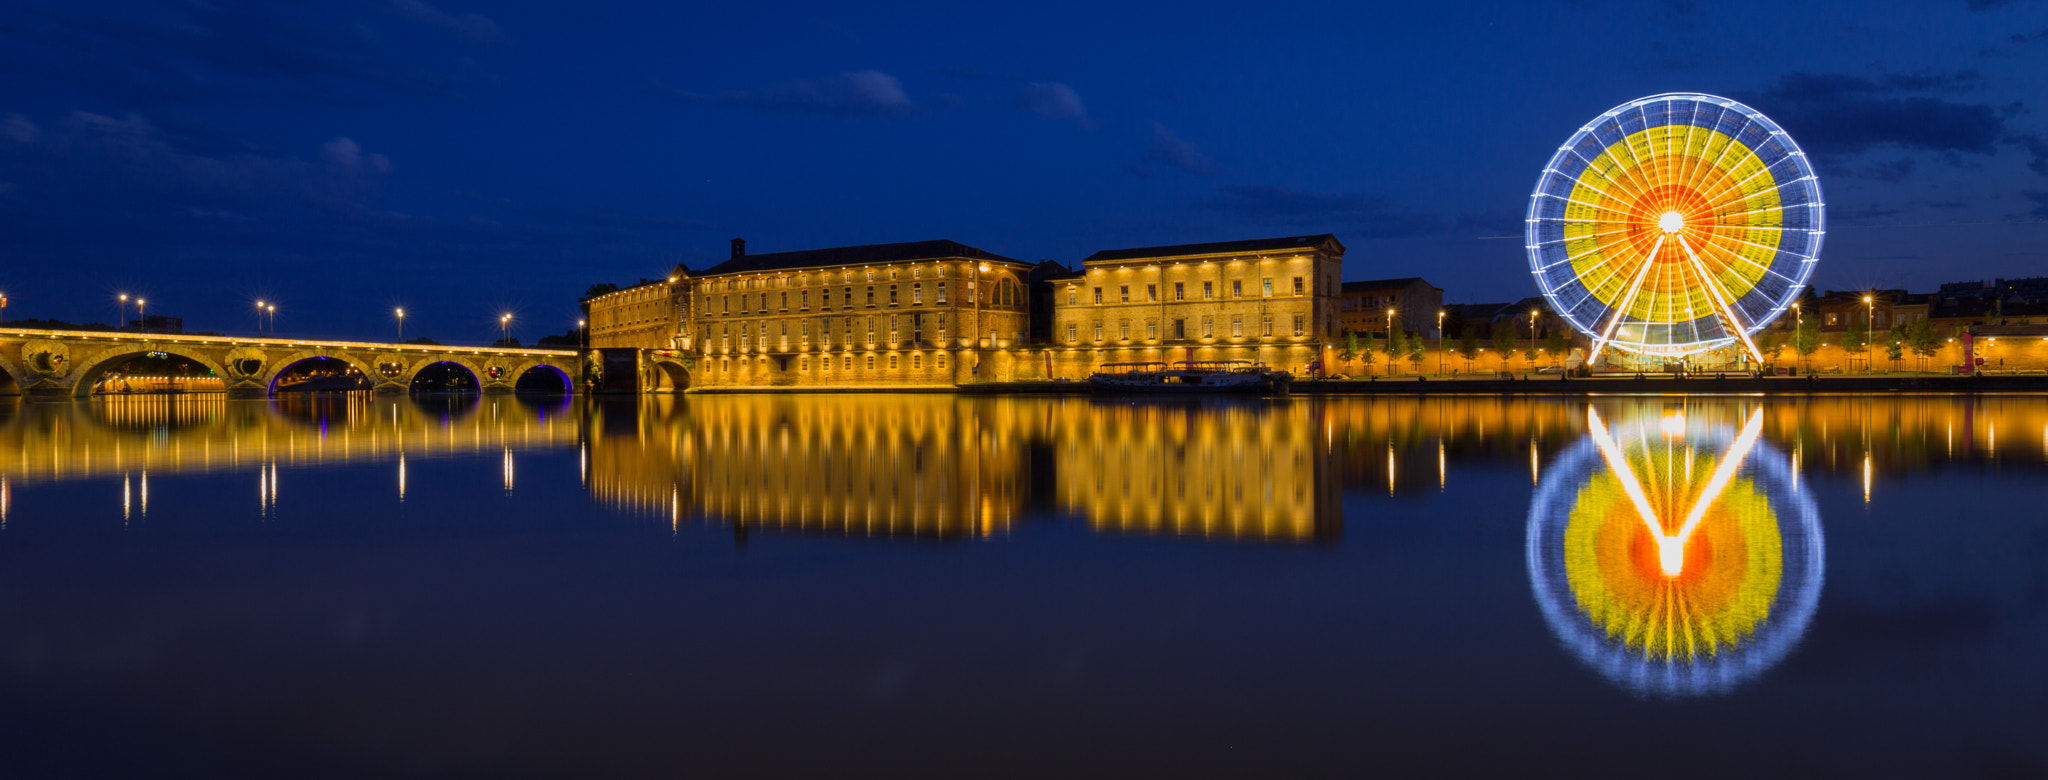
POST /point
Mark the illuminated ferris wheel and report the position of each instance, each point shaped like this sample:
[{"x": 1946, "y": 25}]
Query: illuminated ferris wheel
[{"x": 1675, "y": 224}]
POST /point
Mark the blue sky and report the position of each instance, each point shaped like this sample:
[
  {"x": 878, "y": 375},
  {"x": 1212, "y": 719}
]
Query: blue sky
[{"x": 465, "y": 159}]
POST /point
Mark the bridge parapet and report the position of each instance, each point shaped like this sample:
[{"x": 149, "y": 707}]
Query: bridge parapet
[{"x": 70, "y": 364}]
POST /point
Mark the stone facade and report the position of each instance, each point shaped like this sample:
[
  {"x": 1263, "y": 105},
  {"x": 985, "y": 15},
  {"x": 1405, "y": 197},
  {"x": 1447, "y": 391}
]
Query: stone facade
[
  {"x": 648, "y": 315},
  {"x": 1362, "y": 306},
  {"x": 1269, "y": 300}
]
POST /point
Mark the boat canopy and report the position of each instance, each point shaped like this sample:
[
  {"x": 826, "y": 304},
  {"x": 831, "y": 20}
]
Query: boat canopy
[{"x": 1129, "y": 368}]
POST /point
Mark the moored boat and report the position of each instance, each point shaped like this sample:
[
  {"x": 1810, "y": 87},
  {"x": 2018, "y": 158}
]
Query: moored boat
[{"x": 1186, "y": 376}]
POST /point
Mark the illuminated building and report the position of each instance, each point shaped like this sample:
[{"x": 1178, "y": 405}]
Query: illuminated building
[
  {"x": 1362, "y": 306},
  {"x": 1267, "y": 300},
  {"x": 925, "y": 313}
]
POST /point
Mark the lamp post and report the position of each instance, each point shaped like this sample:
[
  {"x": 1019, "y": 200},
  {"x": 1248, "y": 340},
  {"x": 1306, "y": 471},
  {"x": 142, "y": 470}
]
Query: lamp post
[
  {"x": 401, "y": 325},
  {"x": 271, "y": 312},
  {"x": 1439, "y": 341},
  {"x": 504, "y": 329},
  {"x": 1869, "y": 329},
  {"x": 122, "y": 322},
  {"x": 141, "y": 318},
  {"x": 583, "y": 333}
]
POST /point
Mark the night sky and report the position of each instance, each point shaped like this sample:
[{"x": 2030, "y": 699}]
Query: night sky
[{"x": 467, "y": 159}]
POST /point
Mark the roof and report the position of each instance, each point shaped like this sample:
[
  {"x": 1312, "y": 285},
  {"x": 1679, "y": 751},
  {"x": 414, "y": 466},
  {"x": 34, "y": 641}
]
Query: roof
[
  {"x": 854, "y": 255},
  {"x": 1248, "y": 247},
  {"x": 1386, "y": 284}
]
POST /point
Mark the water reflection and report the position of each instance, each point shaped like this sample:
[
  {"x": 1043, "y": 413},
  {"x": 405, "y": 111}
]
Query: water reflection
[{"x": 1674, "y": 551}]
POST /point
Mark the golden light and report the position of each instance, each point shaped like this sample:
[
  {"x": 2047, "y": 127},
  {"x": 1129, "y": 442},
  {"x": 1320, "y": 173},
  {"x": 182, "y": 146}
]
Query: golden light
[{"x": 1671, "y": 222}]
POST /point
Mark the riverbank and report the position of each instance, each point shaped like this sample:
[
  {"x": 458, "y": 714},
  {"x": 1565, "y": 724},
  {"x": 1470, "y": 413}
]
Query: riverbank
[{"x": 1557, "y": 385}]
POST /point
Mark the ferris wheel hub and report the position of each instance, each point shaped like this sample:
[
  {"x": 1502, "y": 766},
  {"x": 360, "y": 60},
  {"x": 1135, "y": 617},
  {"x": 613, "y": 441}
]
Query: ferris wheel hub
[{"x": 1671, "y": 222}]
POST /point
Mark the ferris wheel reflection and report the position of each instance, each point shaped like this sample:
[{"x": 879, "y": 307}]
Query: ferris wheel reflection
[{"x": 1675, "y": 553}]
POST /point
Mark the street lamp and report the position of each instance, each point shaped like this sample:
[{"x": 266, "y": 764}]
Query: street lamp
[
  {"x": 259, "y": 319},
  {"x": 583, "y": 333},
  {"x": 123, "y": 322},
  {"x": 141, "y": 319},
  {"x": 271, "y": 312},
  {"x": 504, "y": 329},
  {"x": 1869, "y": 329},
  {"x": 401, "y": 325},
  {"x": 1439, "y": 341}
]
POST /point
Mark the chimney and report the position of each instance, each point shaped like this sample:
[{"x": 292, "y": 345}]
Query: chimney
[{"x": 739, "y": 248}]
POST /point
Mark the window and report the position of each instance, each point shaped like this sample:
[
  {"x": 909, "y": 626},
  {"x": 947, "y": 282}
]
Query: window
[
  {"x": 1151, "y": 329},
  {"x": 1098, "y": 331},
  {"x": 743, "y": 303},
  {"x": 1298, "y": 287},
  {"x": 848, "y": 300},
  {"x": 1266, "y": 326},
  {"x": 871, "y": 358},
  {"x": 725, "y": 306},
  {"x": 1072, "y": 335},
  {"x": 1071, "y": 295},
  {"x": 942, "y": 361},
  {"x": 917, "y": 273},
  {"x": 917, "y": 361},
  {"x": 1300, "y": 322},
  {"x": 870, "y": 274},
  {"x": 1237, "y": 326},
  {"x": 825, "y": 364},
  {"x": 871, "y": 294},
  {"x": 1180, "y": 329},
  {"x": 1152, "y": 292},
  {"x": 1236, "y": 288},
  {"x": 803, "y": 330},
  {"x": 942, "y": 293},
  {"x": 892, "y": 362},
  {"x": 1098, "y": 295},
  {"x": 803, "y": 364},
  {"x": 785, "y": 301},
  {"x": 1266, "y": 285},
  {"x": 1180, "y": 291},
  {"x": 1124, "y": 329},
  {"x": 892, "y": 293},
  {"x": 803, "y": 299},
  {"x": 849, "y": 359},
  {"x": 917, "y": 295},
  {"x": 1208, "y": 328},
  {"x": 892, "y": 277},
  {"x": 1208, "y": 290},
  {"x": 1123, "y": 293},
  {"x": 871, "y": 329}
]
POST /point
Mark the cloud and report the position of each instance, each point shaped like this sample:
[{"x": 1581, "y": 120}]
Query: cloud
[
  {"x": 858, "y": 93},
  {"x": 184, "y": 53},
  {"x": 346, "y": 155},
  {"x": 2036, "y": 146},
  {"x": 1054, "y": 101},
  {"x": 1165, "y": 148},
  {"x": 473, "y": 26},
  {"x": 2040, "y": 35},
  {"x": 1372, "y": 216},
  {"x": 2040, "y": 200},
  {"x": 1894, "y": 171},
  {"x": 19, "y": 129},
  {"x": 1836, "y": 115}
]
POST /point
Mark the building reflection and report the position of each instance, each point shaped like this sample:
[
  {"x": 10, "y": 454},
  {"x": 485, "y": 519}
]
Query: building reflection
[
  {"x": 1238, "y": 470},
  {"x": 1672, "y": 549}
]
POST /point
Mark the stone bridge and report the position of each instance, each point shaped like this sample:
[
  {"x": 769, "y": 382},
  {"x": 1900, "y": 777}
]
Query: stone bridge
[{"x": 71, "y": 364}]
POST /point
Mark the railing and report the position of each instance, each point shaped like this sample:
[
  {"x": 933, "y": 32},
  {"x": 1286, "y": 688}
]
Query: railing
[{"x": 179, "y": 338}]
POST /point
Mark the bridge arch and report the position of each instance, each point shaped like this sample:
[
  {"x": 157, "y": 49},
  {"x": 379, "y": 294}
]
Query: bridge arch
[
  {"x": 519, "y": 376},
  {"x": 668, "y": 376},
  {"x": 13, "y": 380},
  {"x": 277, "y": 368},
  {"x": 88, "y": 371},
  {"x": 412, "y": 374}
]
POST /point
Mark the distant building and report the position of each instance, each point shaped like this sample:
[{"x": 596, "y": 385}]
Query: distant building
[
  {"x": 157, "y": 323},
  {"x": 1362, "y": 306},
  {"x": 1270, "y": 300},
  {"x": 921, "y": 313}
]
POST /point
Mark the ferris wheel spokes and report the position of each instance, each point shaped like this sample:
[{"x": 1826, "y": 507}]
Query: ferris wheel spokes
[{"x": 1628, "y": 302}]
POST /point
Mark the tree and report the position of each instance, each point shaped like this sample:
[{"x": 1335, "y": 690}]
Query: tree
[
  {"x": 1920, "y": 336},
  {"x": 1770, "y": 345},
  {"x": 1505, "y": 341},
  {"x": 601, "y": 288},
  {"x": 1347, "y": 348},
  {"x": 1468, "y": 346},
  {"x": 1855, "y": 339},
  {"x": 1557, "y": 345},
  {"x": 1806, "y": 341},
  {"x": 1895, "y": 343},
  {"x": 1416, "y": 350},
  {"x": 1397, "y": 345}
]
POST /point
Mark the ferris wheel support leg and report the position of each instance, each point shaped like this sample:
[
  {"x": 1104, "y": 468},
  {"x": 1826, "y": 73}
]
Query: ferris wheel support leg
[
  {"x": 1629, "y": 300},
  {"x": 1723, "y": 307}
]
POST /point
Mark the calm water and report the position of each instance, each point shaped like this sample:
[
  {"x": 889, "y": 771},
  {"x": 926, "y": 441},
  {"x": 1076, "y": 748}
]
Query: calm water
[{"x": 941, "y": 586}]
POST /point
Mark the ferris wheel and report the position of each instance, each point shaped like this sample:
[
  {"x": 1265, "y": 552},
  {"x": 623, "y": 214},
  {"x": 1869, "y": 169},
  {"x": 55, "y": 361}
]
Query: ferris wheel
[{"x": 1675, "y": 224}]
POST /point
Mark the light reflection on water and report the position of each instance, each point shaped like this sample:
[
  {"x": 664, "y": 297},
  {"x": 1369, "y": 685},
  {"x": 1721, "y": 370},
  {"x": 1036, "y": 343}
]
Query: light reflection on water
[{"x": 1842, "y": 544}]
